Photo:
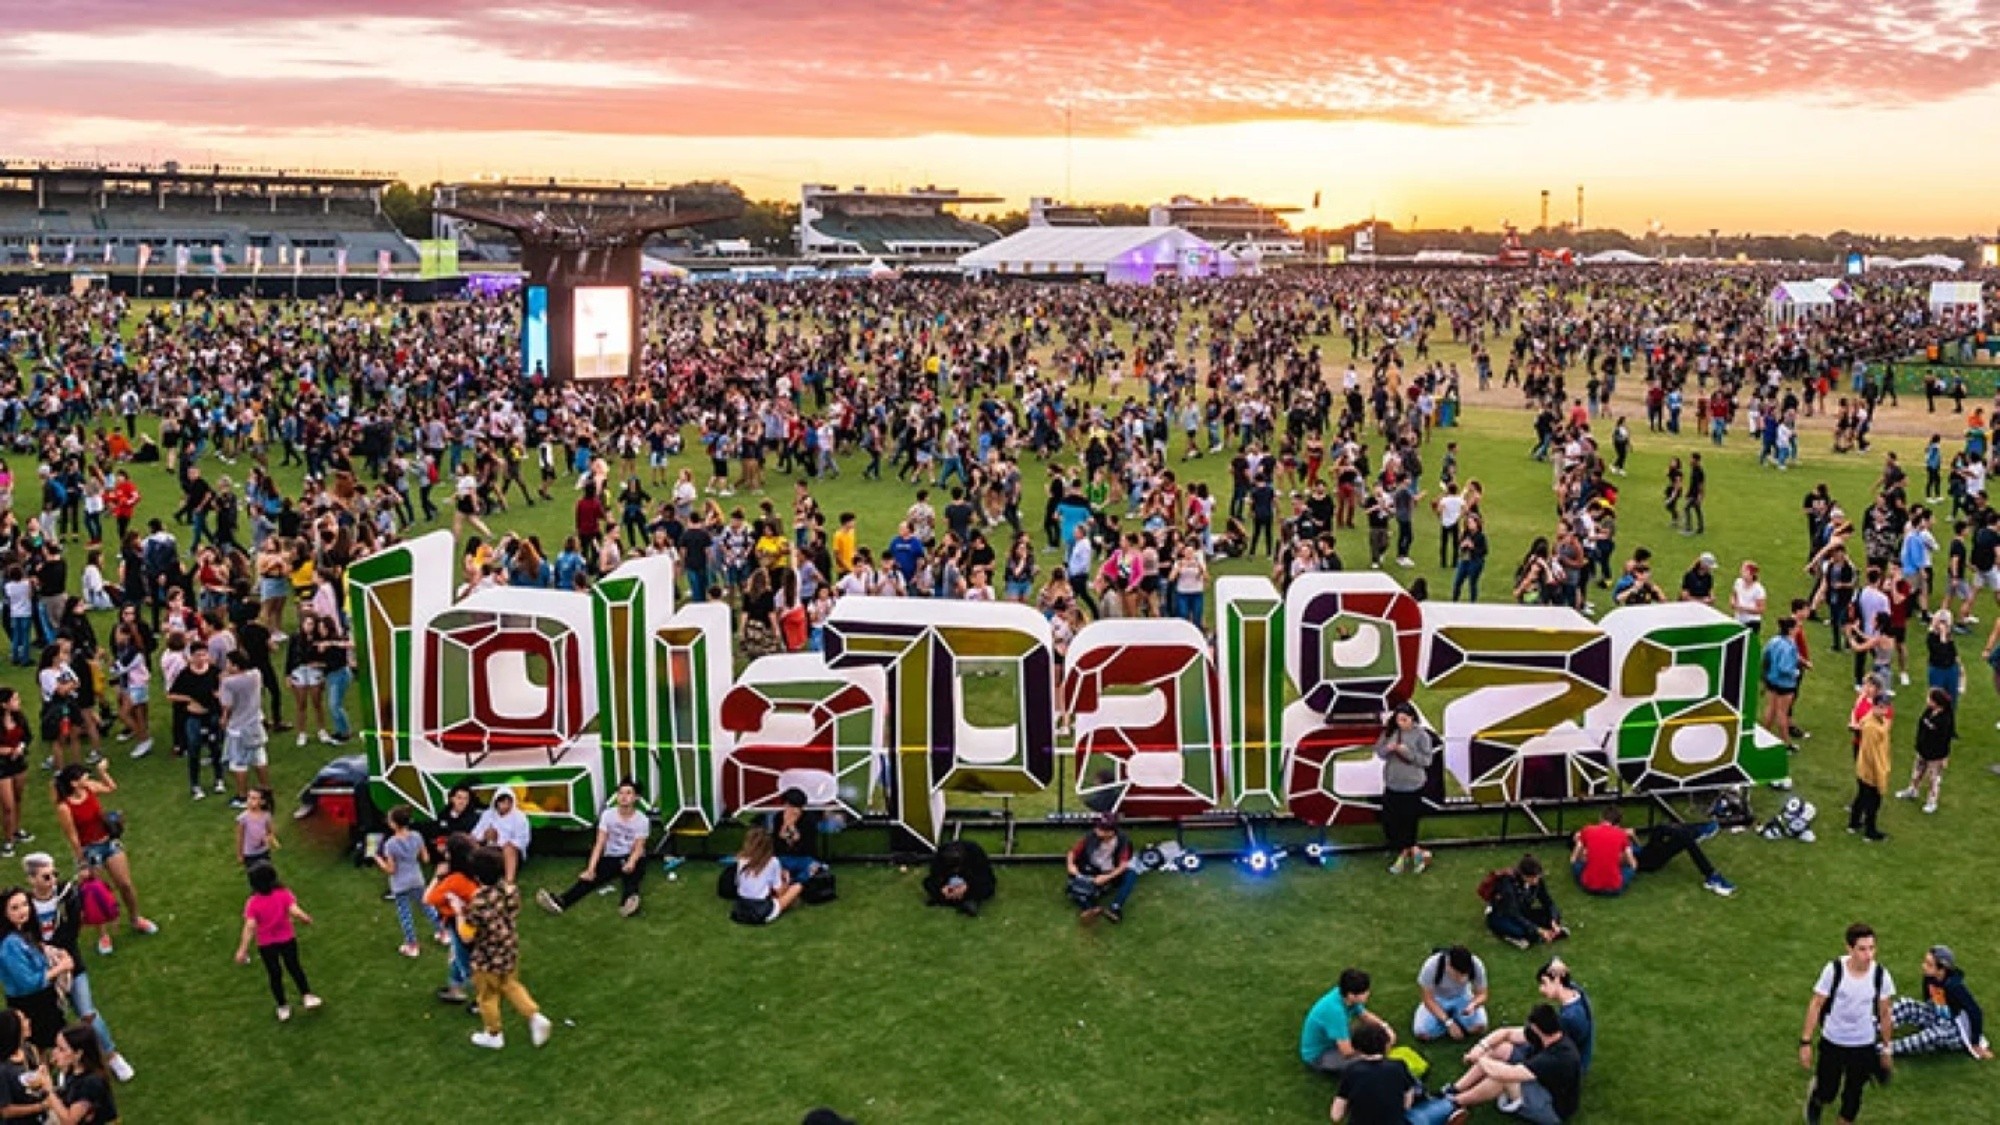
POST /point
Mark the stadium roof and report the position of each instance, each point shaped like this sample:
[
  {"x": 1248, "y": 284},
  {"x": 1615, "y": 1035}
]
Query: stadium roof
[{"x": 174, "y": 172}]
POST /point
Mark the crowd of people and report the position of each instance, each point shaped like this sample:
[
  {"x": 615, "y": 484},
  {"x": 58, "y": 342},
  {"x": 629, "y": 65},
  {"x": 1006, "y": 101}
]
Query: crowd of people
[{"x": 222, "y": 604}]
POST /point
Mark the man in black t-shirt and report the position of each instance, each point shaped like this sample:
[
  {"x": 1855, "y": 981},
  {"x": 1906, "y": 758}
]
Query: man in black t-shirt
[
  {"x": 1698, "y": 584},
  {"x": 1373, "y": 1090},
  {"x": 695, "y": 544},
  {"x": 1542, "y": 1088}
]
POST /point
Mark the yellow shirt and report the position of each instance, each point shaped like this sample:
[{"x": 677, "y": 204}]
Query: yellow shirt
[
  {"x": 772, "y": 551},
  {"x": 843, "y": 549}
]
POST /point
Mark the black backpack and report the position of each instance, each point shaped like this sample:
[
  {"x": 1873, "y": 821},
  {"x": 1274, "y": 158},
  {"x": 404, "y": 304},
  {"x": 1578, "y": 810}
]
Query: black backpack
[{"x": 1839, "y": 973}]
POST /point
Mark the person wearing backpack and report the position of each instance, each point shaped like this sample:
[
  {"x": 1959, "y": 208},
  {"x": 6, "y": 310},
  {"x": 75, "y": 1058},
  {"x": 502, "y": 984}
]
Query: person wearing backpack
[
  {"x": 1454, "y": 995},
  {"x": 1850, "y": 1011},
  {"x": 1519, "y": 910}
]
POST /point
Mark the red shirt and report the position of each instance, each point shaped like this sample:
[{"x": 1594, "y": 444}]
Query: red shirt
[
  {"x": 88, "y": 817},
  {"x": 1603, "y": 855}
]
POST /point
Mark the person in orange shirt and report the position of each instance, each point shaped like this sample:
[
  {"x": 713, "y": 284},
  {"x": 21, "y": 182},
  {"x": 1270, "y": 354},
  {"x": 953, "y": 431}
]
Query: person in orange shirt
[{"x": 451, "y": 888}]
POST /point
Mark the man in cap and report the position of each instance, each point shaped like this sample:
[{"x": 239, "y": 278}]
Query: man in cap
[{"x": 1698, "y": 584}]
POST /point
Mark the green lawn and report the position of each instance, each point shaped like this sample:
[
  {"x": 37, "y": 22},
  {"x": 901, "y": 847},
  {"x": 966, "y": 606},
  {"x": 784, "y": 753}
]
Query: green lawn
[{"x": 1188, "y": 1012}]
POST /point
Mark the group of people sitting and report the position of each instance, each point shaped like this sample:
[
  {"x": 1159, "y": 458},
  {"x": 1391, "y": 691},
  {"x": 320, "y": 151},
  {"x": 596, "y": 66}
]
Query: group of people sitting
[{"x": 1533, "y": 1072}]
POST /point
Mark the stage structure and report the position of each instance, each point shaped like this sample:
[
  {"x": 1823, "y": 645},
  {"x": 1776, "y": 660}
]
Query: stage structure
[
  {"x": 580, "y": 298},
  {"x": 916, "y": 702}
]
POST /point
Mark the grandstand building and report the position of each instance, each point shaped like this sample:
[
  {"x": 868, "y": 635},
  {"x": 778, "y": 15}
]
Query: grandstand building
[
  {"x": 1235, "y": 225},
  {"x": 101, "y": 214},
  {"x": 901, "y": 226},
  {"x": 1046, "y": 212},
  {"x": 572, "y": 202}
]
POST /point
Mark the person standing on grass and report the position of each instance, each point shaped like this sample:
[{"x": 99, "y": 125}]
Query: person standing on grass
[
  {"x": 451, "y": 888},
  {"x": 1852, "y": 1013},
  {"x": 244, "y": 743},
  {"x": 487, "y": 926},
  {"x": 1937, "y": 728},
  {"x": 59, "y": 914},
  {"x": 1326, "y": 1042},
  {"x": 1784, "y": 668},
  {"x": 619, "y": 851},
  {"x": 196, "y": 690},
  {"x": 1406, "y": 751},
  {"x": 268, "y": 918},
  {"x": 402, "y": 860},
  {"x": 1871, "y": 770},
  {"x": 30, "y": 970},
  {"x": 1694, "y": 520},
  {"x": 13, "y": 770},
  {"x": 79, "y": 1092},
  {"x": 83, "y": 824}
]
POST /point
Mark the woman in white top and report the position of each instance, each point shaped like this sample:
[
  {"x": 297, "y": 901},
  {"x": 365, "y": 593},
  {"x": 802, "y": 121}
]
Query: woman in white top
[
  {"x": 465, "y": 498},
  {"x": 761, "y": 879}
]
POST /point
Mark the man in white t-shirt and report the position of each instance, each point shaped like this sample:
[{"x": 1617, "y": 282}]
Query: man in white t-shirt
[
  {"x": 1450, "y": 508},
  {"x": 1746, "y": 597},
  {"x": 1850, "y": 1010},
  {"x": 620, "y": 851}
]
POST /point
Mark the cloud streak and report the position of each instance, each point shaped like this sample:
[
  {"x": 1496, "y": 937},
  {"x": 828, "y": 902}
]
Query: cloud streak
[{"x": 890, "y": 68}]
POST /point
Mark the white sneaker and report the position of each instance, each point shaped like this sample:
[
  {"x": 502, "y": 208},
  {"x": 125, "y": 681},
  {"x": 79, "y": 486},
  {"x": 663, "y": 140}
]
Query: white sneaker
[
  {"x": 492, "y": 1042},
  {"x": 327, "y": 737},
  {"x": 1906, "y": 794},
  {"x": 120, "y": 1069},
  {"x": 144, "y": 748},
  {"x": 539, "y": 1029},
  {"x": 1906, "y": 679},
  {"x": 195, "y": 793},
  {"x": 302, "y": 740},
  {"x": 311, "y": 1002},
  {"x": 219, "y": 786},
  {"x": 1930, "y": 806},
  {"x": 284, "y": 1012}
]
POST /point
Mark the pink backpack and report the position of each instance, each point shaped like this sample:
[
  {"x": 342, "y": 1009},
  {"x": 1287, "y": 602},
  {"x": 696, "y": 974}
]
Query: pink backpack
[{"x": 99, "y": 905}]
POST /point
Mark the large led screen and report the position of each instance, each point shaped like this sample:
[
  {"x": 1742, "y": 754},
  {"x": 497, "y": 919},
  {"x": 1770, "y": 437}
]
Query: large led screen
[{"x": 603, "y": 332}]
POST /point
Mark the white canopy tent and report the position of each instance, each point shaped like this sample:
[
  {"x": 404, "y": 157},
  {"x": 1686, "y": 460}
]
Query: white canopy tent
[
  {"x": 1118, "y": 255},
  {"x": 1798, "y": 300},
  {"x": 1932, "y": 262},
  {"x": 1615, "y": 258},
  {"x": 1958, "y": 298}
]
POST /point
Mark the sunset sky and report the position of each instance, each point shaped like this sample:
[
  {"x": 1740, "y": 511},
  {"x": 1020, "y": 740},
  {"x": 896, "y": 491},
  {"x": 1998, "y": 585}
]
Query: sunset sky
[{"x": 1802, "y": 116}]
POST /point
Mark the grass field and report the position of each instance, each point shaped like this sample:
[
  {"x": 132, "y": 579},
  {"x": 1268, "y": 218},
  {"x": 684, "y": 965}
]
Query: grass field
[{"x": 1188, "y": 1012}]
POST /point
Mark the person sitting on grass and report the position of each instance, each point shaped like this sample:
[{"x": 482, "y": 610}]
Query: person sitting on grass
[
  {"x": 1947, "y": 1018},
  {"x": 1454, "y": 995},
  {"x": 505, "y": 827},
  {"x": 620, "y": 852},
  {"x": 1538, "y": 1079},
  {"x": 1604, "y": 860},
  {"x": 961, "y": 877},
  {"x": 1519, "y": 910},
  {"x": 1100, "y": 864},
  {"x": 1326, "y": 1039},
  {"x": 764, "y": 890},
  {"x": 1374, "y": 1090}
]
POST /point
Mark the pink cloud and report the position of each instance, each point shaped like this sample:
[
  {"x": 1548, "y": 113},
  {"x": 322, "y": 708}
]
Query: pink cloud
[{"x": 863, "y": 68}]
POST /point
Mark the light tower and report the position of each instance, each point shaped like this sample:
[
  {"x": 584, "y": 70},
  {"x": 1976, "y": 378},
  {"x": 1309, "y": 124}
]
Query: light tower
[
  {"x": 1579, "y": 208},
  {"x": 1545, "y": 209}
]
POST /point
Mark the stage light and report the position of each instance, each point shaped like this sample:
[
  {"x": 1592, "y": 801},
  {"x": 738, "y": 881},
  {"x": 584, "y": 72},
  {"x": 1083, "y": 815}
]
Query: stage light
[
  {"x": 1315, "y": 852},
  {"x": 1190, "y": 862},
  {"x": 1259, "y": 861}
]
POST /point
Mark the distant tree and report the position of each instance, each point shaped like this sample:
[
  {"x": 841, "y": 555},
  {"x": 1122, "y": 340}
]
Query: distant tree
[{"x": 408, "y": 208}]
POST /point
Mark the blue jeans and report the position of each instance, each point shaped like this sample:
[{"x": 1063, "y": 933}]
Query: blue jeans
[
  {"x": 1946, "y": 678},
  {"x": 459, "y": 972},
  {"x": 337, "y": 683},
  {"x": 697, "y": 585},
  {"x": 1457, "y": 1010},
  {"x": 86, "y": 1009},
  {"x": 1120, "y": 890},
  {"x": 21, "y": 630},
  {"x": 1189, "y": 607},
  {"x": 799, "y": 867},
  {"x": 1624, "y": 881},
  {"x": 1468, "y": 573}
]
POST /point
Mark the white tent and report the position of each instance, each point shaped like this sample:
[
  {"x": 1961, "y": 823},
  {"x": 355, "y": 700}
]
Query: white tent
[
  {"x": 878, "y": 270},
  {"x": 1932, "y": 262},
  {"x": 1797, "y": 300},
  {"x": 1615, "y": 258},
  {"x": 1120, "y": 255},
  {"x": 1835, "y": 287},
  {"x": 1957, "y": 298}
]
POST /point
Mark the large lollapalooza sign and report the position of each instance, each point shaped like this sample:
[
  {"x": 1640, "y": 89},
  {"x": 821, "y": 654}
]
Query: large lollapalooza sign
[{"x": 560, "y": 694}]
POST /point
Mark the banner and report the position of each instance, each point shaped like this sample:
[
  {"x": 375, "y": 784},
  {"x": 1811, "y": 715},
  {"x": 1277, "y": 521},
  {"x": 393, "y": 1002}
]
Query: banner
[
  {"x": 381, "y": 263},
  {"x": 69, "y": 253},
  {"x": 917, "y": 701},
  {"x": 35, "y": 254},
  {"x": 256, "y": 260},
  {"x": 340, "y": 262},
  {"x": 183, "y": 254},
  {"x": 215, "y": 260},
  {"x": 145, "y": 255},
  {"x": 110, "y": 251},
  {"x": 298, "y": 261}
]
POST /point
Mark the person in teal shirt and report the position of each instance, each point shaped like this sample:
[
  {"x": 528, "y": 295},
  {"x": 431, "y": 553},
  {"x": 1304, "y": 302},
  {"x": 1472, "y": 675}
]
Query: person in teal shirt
[{"x": 1324, "y": 1040}]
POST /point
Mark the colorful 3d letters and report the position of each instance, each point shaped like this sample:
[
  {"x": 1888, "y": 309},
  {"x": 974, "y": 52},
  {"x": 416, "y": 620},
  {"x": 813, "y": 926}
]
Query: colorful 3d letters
[{"x": 560, "y": 694}]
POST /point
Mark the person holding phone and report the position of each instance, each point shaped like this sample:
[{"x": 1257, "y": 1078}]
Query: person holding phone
[{"x": 1406, "y": 750}]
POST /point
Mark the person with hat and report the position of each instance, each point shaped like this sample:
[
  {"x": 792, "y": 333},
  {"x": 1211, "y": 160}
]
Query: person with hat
[
  {"x": 1947, "y": 1018},
  {"x": 1698, "y": 584},
  {"x": 1101, "y": 864}
]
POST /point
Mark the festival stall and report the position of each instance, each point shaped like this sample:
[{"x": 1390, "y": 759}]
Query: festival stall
[{"x": 1798, "y": 300}]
